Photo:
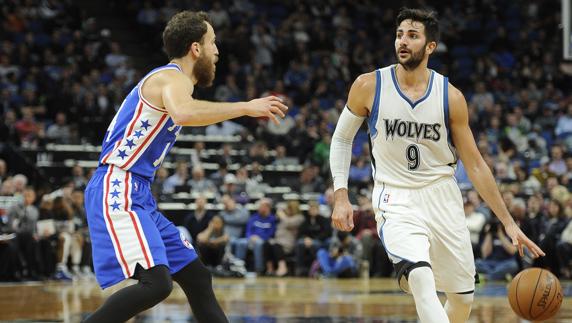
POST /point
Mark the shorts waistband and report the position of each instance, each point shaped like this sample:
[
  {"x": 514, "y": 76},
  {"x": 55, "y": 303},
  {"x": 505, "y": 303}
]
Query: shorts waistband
[{"x": 102, "y": 169}]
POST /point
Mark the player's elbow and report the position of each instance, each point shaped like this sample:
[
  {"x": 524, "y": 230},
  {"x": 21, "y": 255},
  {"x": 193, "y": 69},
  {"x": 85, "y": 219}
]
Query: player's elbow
[{"x": 185, "y": 119}]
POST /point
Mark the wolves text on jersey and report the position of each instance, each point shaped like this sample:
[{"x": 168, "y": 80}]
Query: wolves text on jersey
[{"x": 412, "y": 129}]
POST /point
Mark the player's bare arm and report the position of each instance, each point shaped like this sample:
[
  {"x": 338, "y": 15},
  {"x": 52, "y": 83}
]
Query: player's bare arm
[
  {"x": 359, "y": 104},
  {"x": 479, "y": 173},
  {"x": 172, "y": 90}
]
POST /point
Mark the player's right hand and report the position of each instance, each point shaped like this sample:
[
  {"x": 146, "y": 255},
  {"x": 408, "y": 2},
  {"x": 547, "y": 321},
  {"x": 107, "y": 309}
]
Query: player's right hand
[
  {"x": 343, "y": 216},
  {"x": 269, "y": 107}
]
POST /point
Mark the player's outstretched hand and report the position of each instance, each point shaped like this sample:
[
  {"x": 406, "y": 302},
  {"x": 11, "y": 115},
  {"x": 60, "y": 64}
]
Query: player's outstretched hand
[
  {"x": 270, "y": 106},
  {"x": 343, "y": 216},
  {"x": 519, "y": 239}
]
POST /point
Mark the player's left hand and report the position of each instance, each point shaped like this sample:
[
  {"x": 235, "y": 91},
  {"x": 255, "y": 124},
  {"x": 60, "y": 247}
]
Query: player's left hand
[{"x": 519, "y": 240}]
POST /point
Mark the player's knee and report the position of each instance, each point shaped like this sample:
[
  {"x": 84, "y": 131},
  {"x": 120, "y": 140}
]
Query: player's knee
[
  {"x": 157, "y": 283},
  {"x": 410, "y": 273},
  {"x": 462, "y": 300}
]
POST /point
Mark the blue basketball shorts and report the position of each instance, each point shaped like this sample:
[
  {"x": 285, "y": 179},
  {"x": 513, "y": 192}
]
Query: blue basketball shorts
[{"x": 126, "y": 229}]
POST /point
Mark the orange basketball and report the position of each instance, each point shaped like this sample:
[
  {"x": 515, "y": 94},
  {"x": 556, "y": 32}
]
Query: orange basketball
[{"x": 535, "y": 294}]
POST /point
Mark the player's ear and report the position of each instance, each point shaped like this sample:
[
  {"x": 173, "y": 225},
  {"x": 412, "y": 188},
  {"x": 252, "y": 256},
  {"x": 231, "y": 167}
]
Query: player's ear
[
  {"x": 430, "y": 47},
  {"x": 195, "y": 50}
]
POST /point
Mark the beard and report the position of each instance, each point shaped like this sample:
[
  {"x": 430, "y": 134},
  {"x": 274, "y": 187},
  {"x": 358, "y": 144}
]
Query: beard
[
  {"x": 411, "y": 63},
  {"x": 204, "y": 71}
]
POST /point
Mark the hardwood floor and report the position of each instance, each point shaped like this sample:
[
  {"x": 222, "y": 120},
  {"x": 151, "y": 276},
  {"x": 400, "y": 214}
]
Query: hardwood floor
[{"x": 259, "y": 300}]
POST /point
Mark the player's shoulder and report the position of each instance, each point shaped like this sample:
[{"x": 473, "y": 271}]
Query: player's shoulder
[
  {"x": 165, "y": 77},
  {"x": 455, "y": 95},
  {"x": 365, "y": 81}
]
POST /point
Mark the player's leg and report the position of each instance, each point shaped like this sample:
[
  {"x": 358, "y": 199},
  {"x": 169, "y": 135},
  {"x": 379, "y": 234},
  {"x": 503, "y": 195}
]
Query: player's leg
[
  {"x": 154, "y": 285},
  {"x": 458, "y": 306},
  {"x": 126, "y": 244},
  {"x": 451, "y": 249},
  {"x": 419, "y": 280},
  {"x": 400, "y": 219},
  {"x": 196, "y": 281},
  {"x": 189, "y": 272}
]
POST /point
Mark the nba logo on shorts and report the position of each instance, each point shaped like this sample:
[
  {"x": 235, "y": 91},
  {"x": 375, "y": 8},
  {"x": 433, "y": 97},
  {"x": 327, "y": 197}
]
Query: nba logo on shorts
[
  {"x": 386, "y": 198},
  {"x": 186, "y": 241}
]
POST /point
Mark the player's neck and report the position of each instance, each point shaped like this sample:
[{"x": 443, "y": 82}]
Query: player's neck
[
  {"x": 186, "y": 67},
  {"x": 409, "y": 78}
]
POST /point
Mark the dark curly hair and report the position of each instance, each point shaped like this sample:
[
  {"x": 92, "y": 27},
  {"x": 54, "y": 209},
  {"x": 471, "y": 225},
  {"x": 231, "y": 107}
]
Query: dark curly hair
[
  {"x": 182, "y": 30},
  {"x": 427, "y": 17}
]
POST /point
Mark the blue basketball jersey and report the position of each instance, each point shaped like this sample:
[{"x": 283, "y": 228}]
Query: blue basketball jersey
[{"x": 140, "y": 134}]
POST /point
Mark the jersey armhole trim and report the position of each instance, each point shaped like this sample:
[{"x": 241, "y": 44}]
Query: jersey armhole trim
[
  {"x": 375, "y": 106},
  {"x": 147, "y": 103}
]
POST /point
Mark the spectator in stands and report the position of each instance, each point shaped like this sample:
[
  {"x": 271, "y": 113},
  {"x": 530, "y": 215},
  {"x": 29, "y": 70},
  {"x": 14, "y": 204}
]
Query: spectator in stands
[
  {"x": 179, "y": 178},
  {"x": 81, "y": 233},
  {"x": 10, "y": 266},
  {"x": 22, "y": 219},
  {"x": 20, "y": 182},
  {"x": 374, "y": 258},
  {"x": 199, "y": 183},
  {"x": 475, "y": 222},
  {"x": 312, "y": 235},
  {"x": 557, "y": 164},
  {"x": 276, "y": 249},
  {"x": 310, "y": 181},
  {"x": 564, "y": 126},
  {"x": 260, "y": 228},
  {"x": 497, "y": 253},
  {"x": 341, "y": 259},
  {"x": 555, "y": 223},
  {"x": 161, "y": 176},
  {"x": 78, "y": 177},
  {"x": 198, "y": 219},
  {"x": 217, "y": 178},
  {"x": 3, "y": 170},
  {"x": 564, "y": 251},
  {"x": 70, "y": 242},
  {"x": 59, "y": 132},
  {"x": 212, "y": 242},
  {"x": 235, "y": 217}
]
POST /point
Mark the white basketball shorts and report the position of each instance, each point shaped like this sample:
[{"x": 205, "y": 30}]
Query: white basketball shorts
[{"x": 427, "y": 224}]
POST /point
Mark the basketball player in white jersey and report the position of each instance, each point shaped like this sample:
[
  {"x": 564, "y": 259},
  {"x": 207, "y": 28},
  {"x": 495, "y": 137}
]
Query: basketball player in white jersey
[
  {"x": 130, "y": 237},
  {"x": 418, "y": 125}
]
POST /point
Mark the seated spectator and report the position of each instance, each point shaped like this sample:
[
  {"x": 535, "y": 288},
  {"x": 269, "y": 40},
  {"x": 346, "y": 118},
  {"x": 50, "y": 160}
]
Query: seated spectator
[
  {"x": 70, "y": 241},
  {"x": 199, "y": 219},
  {"x": 59, "y": 132},
  {"x": 564, "y": 252},
  {"x": 283, "y": 244},
  {"x": 235, "y": 217},
  {"x": 178, "y": 179},
  {"x": 22, "y": 219},
  {"x": 365, "y": 230},
  {"x": 497, "y": 253},
  {"x": 260, "y": 228},
  {"x": 475, "y": 222},
  {"x": 312, "y": 235},
  {"x": 341, "y": 259},
  {"x": 555, "y": 223},
  {"x": 199, "y": 183},
  {"x": 212, "y": 242}
]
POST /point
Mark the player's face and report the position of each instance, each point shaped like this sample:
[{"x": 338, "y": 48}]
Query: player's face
[
  {"x": 205, "y": 67},
  {"x": 410, "y": 44}
]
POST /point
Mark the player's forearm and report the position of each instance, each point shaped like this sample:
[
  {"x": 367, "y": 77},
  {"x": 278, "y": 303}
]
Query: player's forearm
[
  {"x": 484, "y": 182},
  {"x": 204, "y": 113}
]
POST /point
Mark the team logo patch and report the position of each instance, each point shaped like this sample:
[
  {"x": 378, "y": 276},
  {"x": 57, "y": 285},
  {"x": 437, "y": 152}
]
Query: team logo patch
[
  {"x": 186, "y": 242},
  {"x": 386, "y": 198}
]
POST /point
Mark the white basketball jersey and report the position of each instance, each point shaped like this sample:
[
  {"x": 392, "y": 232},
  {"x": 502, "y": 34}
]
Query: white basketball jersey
[{"x": 411, "y": 143}]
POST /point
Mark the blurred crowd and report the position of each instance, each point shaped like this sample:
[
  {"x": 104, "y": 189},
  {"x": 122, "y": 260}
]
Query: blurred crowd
[{"x": 60, "y": 73}]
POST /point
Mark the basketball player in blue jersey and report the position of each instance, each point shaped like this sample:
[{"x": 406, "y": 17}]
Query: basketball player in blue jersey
[
  {"x": 418, "y": 125},
  {"x": 130, "y": 238}
]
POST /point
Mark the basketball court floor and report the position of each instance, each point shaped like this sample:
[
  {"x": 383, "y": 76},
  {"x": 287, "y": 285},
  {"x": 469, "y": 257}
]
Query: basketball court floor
[{"x": 259, "y": 300}]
